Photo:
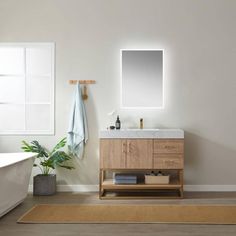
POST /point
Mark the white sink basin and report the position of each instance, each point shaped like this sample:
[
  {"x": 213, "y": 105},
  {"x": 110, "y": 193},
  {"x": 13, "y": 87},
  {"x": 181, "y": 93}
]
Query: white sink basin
[{"x": 142, "y": 133}]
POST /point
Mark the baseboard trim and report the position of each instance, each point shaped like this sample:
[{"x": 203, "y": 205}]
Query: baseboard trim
[
  {"x": 72, "y": 188},
  {"x": 188, "y": 188},
  {"x": 210, "y": 188}
]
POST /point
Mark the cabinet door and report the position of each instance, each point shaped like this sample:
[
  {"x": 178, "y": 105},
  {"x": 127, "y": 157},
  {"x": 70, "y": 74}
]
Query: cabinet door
[
  {"x": 112, "y": 153},
  {"x": 139, "y": 154}
]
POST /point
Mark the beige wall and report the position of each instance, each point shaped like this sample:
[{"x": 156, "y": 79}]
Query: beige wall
[{"x": 199, "y": 38}]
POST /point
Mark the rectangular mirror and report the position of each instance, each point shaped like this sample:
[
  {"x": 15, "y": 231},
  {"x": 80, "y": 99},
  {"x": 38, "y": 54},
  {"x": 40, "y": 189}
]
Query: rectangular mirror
[{"x": 142, "y": 78}]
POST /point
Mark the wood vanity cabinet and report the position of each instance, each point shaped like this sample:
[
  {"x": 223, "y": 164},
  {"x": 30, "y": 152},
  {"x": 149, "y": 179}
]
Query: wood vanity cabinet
[
  {"x": 130, "y": 155},
  {"x": 126, "y": 153}
]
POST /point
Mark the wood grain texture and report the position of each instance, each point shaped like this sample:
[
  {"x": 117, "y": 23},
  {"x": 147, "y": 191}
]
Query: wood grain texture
[
  {"x": 168, "y": 146},
  {"x": 139, "y": 153},
  {"x": 145, "y": 155},
  {"x": 168, "y": 161},
  {"x": 82, "y": 81},
  {"x": 108, "y": 184},
  {"x": 112, "y": 153}
]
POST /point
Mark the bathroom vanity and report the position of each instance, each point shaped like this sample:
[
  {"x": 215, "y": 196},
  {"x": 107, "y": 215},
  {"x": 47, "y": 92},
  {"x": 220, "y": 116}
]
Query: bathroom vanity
[{"x": 141, "y": 151}]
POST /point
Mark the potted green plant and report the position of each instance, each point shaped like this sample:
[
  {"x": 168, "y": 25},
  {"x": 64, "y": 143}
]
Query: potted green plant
[{"x": 45, "y": 183}]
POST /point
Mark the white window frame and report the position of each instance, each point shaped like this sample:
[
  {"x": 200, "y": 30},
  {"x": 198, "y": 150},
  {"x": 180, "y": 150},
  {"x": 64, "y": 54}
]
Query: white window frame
[{"x": 52, "y": 99}]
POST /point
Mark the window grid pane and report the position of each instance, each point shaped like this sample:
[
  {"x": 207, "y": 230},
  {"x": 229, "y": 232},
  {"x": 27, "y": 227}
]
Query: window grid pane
[{"x": 28, "y": 96}]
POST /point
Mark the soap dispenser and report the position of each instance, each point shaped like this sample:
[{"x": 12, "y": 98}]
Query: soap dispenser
[
  {"x": 118, "y": 125},
  {"x": 141, "y": 123}
]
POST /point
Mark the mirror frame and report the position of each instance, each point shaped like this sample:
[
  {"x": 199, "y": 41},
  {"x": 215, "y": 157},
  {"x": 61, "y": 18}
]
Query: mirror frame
[{"x": 163, "y": 79}]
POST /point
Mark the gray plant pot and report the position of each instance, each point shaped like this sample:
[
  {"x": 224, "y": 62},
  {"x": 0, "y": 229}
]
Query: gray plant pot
[{"x": 44, "y": 185}]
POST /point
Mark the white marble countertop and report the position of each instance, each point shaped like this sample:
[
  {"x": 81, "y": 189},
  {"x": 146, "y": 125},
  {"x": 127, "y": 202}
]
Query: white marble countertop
[{"x": 143, "y": 133}]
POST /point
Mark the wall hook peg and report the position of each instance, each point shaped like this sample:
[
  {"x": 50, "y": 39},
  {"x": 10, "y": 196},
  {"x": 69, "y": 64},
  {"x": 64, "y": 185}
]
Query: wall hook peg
[
  {"x": 84, "y": 82},
  {"x": 84, "y": 93}
]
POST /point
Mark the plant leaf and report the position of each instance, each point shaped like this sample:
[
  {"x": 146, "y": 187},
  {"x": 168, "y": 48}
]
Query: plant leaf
[
  {"x": 48, "y": 160},
  {"x": 26, "y": 147},
  {"x": 60, "y": 145},
  {"x": 36, "y": 147},
  {"x": 59, "y": 158},
  {"x": 67, "y": 167}
]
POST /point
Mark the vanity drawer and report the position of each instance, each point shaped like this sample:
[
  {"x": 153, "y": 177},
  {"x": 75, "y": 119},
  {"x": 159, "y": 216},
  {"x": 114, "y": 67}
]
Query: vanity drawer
[
  {"x": 168, "y": 146},
  {"x": 174, "y": 161}
]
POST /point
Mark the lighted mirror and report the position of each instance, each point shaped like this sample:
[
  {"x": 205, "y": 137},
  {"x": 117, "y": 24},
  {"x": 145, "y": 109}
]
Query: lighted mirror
[{"x": 142, "y": 78}]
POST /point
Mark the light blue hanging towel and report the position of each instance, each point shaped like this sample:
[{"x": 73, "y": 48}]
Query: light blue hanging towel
[{"x": 78, "y": 130}]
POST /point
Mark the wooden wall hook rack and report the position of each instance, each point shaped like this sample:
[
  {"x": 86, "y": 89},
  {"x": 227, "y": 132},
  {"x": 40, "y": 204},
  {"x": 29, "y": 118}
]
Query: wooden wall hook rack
[{"x": 84, "y": 82}]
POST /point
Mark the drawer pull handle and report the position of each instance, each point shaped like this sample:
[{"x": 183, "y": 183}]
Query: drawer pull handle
[
  {"x": 129, "y": 148},
  {"x": 124, "y": 148},
  {"x": 170, "y": 162},
  {"x": 169, "y": 147}
]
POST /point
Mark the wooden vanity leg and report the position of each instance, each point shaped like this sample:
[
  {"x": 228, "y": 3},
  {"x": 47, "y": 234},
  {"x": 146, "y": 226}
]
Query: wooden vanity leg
[
  {"x": 100, "y": 183},
  {"x": 101, "y": 179},
  {"x": 181, "y": 179}
]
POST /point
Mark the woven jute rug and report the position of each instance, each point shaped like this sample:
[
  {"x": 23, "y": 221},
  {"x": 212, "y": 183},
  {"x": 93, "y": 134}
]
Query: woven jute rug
[{"x": 181, "y": 214}]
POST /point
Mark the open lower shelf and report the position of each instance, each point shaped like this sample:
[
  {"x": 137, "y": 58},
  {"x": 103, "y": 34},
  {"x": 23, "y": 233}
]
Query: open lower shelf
[
  {"x": 109, "y": 185},
  {"x": 109, "y": 190},
  {"x": 143, "y": 194}
]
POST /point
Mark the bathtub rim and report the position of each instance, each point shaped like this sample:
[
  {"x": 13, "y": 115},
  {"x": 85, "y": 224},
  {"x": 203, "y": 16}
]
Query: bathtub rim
[{"x": 23, "y": 156}]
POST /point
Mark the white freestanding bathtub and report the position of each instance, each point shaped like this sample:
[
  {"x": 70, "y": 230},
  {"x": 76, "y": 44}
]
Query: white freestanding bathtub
[{"x": 15, "y": 171}]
